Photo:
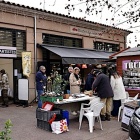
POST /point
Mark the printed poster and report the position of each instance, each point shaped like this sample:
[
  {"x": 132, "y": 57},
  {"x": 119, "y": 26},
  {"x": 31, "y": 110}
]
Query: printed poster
[
  {"x": 26, "y": 63},
  {"x": 131, "y": 74}
]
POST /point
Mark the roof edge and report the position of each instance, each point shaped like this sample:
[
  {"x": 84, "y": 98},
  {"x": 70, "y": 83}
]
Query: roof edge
[
  {"x": 59, "y": 14},
  {"x": 113, "y": 55}
]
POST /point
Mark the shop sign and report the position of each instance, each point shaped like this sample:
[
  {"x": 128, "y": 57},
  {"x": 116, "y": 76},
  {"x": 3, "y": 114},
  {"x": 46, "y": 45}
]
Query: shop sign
[
  {"x": 86, "y": 32},
  {"x": 8, "y": 51},
  {"x": 131, "y": 74},
  {"x": 26, "y": 63}
]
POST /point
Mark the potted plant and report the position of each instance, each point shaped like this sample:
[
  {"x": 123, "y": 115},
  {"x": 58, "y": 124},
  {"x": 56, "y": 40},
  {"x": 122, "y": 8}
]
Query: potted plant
[{"x": 58, "y": 85}]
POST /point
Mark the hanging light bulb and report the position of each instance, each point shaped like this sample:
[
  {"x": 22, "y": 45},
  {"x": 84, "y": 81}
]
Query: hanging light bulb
[{"x": 84, "y": 66}]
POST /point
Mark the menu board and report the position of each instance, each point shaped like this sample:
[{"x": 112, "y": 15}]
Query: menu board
[
  {"x": 127, "y": 113},
  {"x": 131, "y": 74}
]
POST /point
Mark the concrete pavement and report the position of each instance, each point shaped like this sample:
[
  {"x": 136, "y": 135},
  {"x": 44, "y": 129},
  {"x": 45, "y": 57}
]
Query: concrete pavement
[{"x": 24, "y": 127}]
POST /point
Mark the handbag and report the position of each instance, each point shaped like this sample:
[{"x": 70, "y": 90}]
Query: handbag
[{"x": 59, "y": 127}]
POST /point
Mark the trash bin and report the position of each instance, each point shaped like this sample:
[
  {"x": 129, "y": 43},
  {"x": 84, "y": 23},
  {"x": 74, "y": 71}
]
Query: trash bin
[{"x": 65, "y": 115}]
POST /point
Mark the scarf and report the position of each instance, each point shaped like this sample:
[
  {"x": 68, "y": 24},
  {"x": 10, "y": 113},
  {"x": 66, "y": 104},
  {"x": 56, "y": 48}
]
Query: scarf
[{"x": 76, "y": 76}]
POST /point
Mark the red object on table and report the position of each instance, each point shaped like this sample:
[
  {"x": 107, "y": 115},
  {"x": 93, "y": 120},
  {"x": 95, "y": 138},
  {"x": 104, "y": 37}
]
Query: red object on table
[{"x": 47, "y": 106}]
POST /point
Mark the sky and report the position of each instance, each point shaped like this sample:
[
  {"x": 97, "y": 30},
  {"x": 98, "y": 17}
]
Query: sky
[{"x": 58, "y": 6}]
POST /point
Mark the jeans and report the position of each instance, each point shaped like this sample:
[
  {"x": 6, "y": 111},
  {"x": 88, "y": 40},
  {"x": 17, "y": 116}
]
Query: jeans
[
  {"x": 68, "y": 91},
  {"x": 116, "y": 105},
  {"x": 39, "y": 92}
]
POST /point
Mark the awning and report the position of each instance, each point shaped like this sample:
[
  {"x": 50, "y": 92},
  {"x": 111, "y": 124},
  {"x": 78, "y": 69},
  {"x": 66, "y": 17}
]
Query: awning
[{"x": 71, "y": 55}]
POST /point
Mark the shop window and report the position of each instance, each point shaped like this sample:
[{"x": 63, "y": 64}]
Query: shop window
[
  {"x": 13, "y": 38},
  {"x": 5, "y": 38},
  {"x": 103, "y": 46},
  {"x": 61, "y": 40}
]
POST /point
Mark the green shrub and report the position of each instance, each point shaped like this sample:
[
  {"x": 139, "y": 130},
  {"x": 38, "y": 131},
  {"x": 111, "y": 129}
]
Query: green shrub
[{"x": 4, "y": 135}]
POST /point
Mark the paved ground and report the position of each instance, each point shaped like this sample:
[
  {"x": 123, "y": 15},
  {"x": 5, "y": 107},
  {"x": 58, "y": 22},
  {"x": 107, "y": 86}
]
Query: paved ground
[{"x": 24, "y": 127}]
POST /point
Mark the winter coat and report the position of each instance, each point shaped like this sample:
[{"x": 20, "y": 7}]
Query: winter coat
[
  {"x": 41, "y": 80},
  {"x": 5, "y": 81},
  {"x": 89, "y": 82},
  {"x": 102, "y": 86},
  {"x": 66, "y": 78},
  {"x": 118, "y": 88},
  {"x": 74, "y": 86}
]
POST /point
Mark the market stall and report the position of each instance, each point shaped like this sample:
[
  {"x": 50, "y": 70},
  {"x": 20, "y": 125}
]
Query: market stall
[{"x": 128, "y": 65}]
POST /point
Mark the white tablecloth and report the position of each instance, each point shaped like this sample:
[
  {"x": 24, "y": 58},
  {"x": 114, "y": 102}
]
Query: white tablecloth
[{"x": 71, "y": 100}]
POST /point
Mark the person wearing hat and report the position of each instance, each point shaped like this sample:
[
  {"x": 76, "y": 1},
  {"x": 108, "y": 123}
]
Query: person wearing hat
[
  {"x": 104, "y": 91},
  {"x": 4, "y": 87},
  {"x": 75, "y": 81}
]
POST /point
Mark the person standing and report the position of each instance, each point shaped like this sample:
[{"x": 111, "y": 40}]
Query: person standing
[
  {"x": 118, "y": 90},
  {"x": 4, "y": 87},
  {"x": 104, "y": 91},
  {"x": 75, "y": 81},
  {"x": 41, "y": 80},
  {"x": 89, "y": 82},
  {"x": 66, "y": 78}
]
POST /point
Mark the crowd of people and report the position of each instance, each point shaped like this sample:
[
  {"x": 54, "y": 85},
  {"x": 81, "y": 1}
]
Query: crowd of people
[{"x": 109, "y": 87}]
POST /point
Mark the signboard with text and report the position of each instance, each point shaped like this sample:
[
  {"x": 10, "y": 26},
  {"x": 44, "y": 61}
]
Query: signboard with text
[
  {"x": 131, "y": 74},
  {"x": 9, "y": 52},
  {"x": 87, "y": 32}
]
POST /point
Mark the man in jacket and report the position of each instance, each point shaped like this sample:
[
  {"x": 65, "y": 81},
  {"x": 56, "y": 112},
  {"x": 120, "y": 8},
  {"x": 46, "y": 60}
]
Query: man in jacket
[
  {"x": 41, "y": 80},
  {"x": 4, "y": 87},
  {"x": 104, "y": 91}
]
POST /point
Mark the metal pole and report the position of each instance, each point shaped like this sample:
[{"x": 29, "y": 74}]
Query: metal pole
[{"x": 35, "y": 52}]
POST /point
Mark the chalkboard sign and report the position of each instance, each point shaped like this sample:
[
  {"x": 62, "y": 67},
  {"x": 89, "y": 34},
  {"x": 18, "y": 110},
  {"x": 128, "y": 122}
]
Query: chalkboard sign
[
  {"x": 128, "y": 110},
  {"x": 23, "y": 88},
  {"x": 131, "y": 74}
]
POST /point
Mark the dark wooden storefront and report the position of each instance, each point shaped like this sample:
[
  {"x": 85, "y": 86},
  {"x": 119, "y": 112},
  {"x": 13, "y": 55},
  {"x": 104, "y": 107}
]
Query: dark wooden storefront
[{"x": 120, "y": 61}]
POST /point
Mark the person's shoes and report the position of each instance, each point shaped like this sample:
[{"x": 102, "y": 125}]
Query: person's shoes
[
  {"x": 103, "y": 118},
  {"x": 4, "y": 105},
  {"x": 74, "y": 113},
  {"x": 107, "y": 117}
]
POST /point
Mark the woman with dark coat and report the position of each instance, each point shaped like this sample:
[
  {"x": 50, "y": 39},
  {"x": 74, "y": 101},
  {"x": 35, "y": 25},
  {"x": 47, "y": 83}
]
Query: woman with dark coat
[{"x": 104, "y": 91}]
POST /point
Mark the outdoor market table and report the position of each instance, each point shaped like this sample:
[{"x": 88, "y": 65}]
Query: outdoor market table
[
  {"x": 72, "y": 100},
  {"x": 73, "y": 104}
]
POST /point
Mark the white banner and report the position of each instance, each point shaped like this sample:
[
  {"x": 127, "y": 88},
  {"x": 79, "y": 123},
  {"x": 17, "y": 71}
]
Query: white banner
[
  {"x": 8, "y": 51},
  {"x": 26, "y": 63}
]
